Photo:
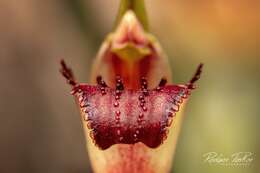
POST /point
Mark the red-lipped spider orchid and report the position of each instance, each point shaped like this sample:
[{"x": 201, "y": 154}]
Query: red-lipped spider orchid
[{"x": 128, "y": 109}]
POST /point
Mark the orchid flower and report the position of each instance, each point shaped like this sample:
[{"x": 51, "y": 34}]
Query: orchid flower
[{"x": 129, "y": 107}]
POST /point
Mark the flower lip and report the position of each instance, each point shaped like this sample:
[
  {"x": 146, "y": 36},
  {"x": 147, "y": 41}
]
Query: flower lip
[
  {"x": 126, "y": 116},
  {"x": 135, "y": 116}
]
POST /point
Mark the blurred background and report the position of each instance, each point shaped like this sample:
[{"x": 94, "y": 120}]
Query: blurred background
[{"x": 40, "y": 125}]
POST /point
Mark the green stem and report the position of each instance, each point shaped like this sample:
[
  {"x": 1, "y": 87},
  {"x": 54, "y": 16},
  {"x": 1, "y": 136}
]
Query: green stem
[{"x": 138, "y": 6}]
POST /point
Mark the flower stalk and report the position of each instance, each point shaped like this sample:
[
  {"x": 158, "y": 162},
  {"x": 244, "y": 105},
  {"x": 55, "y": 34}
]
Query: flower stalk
[{"x": 138, "y": 7}]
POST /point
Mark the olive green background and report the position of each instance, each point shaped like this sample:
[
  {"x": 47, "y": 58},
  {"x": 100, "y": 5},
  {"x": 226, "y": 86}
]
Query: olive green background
[{"x": 40, "y": 126}]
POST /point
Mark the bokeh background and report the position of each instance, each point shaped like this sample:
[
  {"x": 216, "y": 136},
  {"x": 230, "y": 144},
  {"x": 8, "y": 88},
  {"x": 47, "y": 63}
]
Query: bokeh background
[{"x": 40, "y": 125}]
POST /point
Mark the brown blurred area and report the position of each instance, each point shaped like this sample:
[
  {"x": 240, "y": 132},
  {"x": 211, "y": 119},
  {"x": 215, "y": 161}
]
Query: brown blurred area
[{"x": 40, "y": 126}]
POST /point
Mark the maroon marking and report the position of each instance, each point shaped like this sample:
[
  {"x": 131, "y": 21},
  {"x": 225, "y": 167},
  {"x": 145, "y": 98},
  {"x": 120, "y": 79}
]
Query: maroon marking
[
  {"x": 67, "y": 73},
  {"x": 101, "y": 82},
  {"x": 128, "y": 116},
  {"x": 161, "y": 84},
  {"x": 195, "y": 77},
  {"x": 119, "y": 83}
]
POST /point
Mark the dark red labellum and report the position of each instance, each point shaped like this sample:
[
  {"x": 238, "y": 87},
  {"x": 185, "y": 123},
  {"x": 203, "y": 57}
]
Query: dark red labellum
[
  {"x": 127, "y": 120},
  {"x": 123, "y": 116}
]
